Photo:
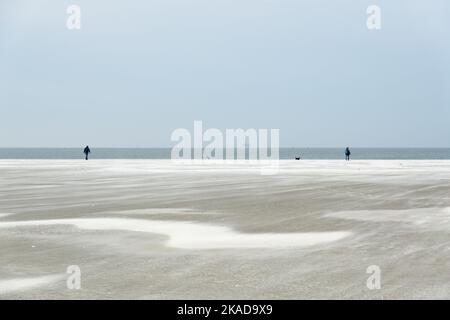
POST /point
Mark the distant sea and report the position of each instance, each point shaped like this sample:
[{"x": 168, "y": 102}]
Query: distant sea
[{"x": 285, "y": 153}]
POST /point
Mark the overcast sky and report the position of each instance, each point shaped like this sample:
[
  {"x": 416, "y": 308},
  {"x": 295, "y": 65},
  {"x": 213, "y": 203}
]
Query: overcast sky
[{"x": 137, "y": 70}]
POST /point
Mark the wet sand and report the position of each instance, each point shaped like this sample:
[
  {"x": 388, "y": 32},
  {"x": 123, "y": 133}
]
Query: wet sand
[{"x": 155, "y": 229}]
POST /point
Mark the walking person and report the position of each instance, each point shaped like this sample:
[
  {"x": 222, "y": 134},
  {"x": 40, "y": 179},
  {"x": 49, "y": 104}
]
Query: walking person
[
  {"x": 86, "y": 152},
  {"x": 347, "y": 154}
]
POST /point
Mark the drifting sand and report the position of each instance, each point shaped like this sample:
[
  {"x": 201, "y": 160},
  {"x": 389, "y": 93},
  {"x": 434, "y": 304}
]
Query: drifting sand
[
  {"x": 156, "y": 229},
  {"x": 432, "y": 218},
  {"x": 23, "y": 284}
]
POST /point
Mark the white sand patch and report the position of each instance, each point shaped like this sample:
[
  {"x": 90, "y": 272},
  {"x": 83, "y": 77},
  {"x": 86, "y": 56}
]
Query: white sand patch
[
  {"x": 186, "y": 235},
  {"x": 23, "y": 284}
]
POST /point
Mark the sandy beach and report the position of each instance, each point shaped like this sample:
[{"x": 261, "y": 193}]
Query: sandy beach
[{"x": 156, "y": 229}]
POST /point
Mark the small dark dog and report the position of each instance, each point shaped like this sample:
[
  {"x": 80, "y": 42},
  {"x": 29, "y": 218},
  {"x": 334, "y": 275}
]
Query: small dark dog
[{"x": 297, "y": 158}]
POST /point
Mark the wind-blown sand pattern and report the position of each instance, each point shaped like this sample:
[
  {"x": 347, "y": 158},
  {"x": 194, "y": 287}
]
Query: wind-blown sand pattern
[
  {"x": 23, "y": 284},
  {"x": 193, "y": 236},
  {"x": 157, "y": 229}
]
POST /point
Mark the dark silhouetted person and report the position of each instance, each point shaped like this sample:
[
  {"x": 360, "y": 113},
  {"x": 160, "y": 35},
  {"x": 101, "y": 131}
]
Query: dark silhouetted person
[
  {"x": 347, "y": 154},
  {"x": 87, "y": 151}
]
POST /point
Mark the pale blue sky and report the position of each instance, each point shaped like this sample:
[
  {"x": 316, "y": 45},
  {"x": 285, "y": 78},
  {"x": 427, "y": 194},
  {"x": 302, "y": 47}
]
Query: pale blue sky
[{"x": 137, "y": 70}]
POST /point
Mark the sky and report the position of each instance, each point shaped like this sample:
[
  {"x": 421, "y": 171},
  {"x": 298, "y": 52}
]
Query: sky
[{"x": 138, "y": 70}]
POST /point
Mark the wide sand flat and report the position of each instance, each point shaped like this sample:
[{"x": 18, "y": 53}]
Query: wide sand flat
[{"x": 156, "y": 229}]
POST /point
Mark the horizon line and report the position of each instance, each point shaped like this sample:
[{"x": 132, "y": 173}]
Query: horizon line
[{"x": 340, "y": 147}]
